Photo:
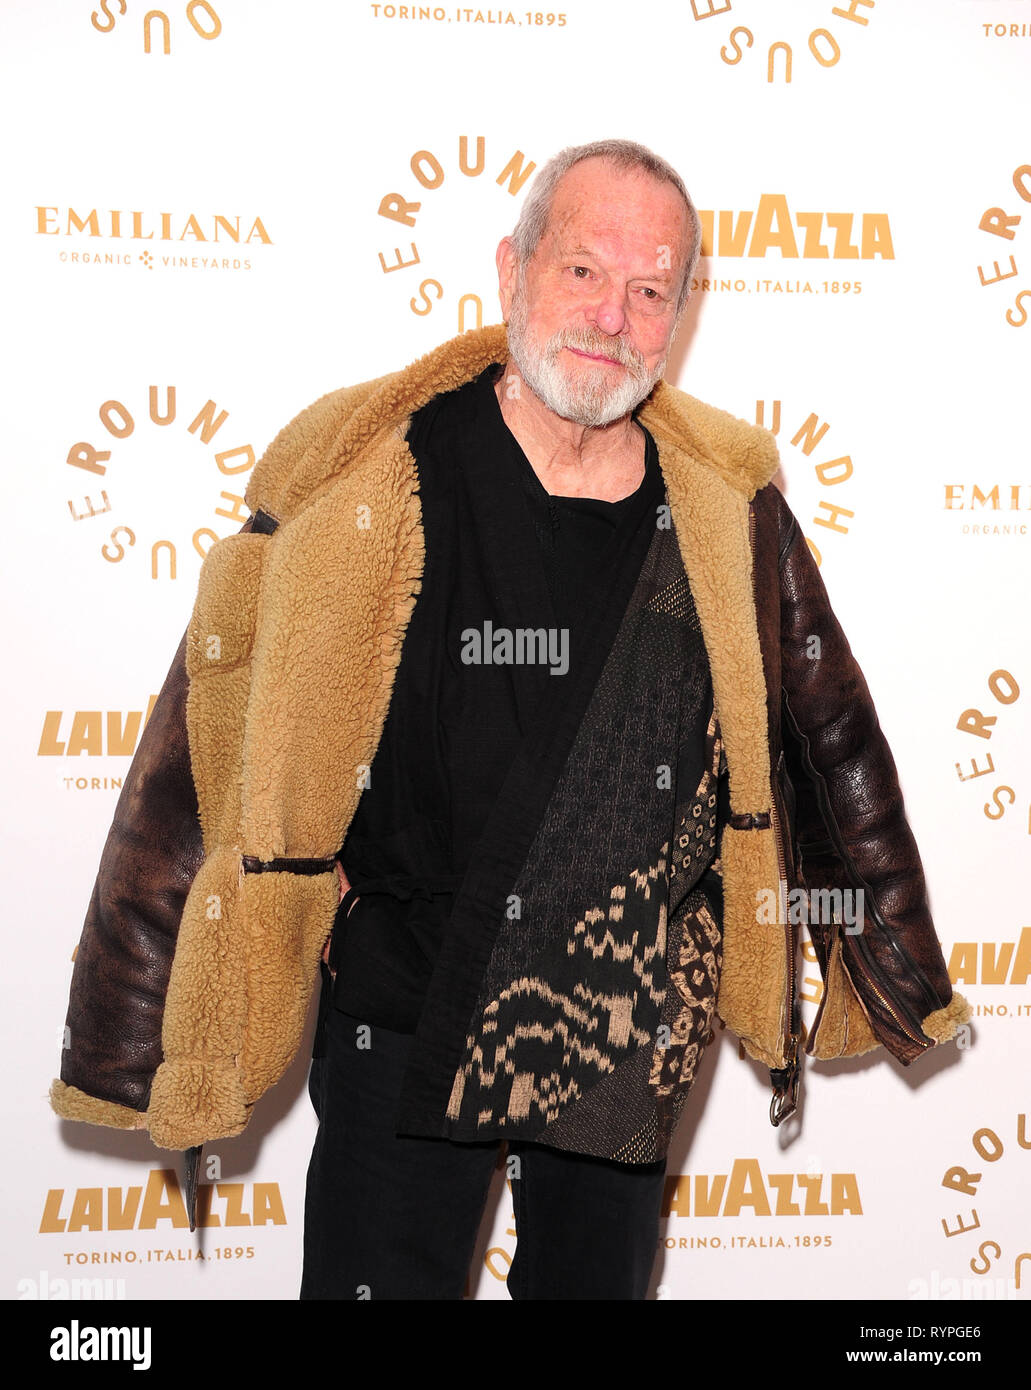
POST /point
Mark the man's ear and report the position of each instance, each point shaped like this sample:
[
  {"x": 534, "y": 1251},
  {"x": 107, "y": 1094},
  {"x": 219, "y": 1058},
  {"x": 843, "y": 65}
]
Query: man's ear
[{"x": 508, "y": 272}]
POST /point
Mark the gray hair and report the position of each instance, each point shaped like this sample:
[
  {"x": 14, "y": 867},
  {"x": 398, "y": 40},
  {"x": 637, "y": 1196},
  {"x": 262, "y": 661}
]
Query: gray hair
[{"x": 624, "y": 154}]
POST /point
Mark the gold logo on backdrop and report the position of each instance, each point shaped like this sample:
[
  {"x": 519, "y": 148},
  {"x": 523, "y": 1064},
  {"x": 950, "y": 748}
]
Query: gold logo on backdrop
[
  {"x": 159, "y": 1200},
  {"x": 816, "y": 40},
  {"x": 1004, "y": 690},
  {"x": 753, "y": 233},
  {"x": 992, "y": 1268},
  {"x": 830, "y": 514},
  {"x": 92, "y": 733},
  {"x": 459, "y": 14},
  {"x": 1002, "y": 223},
  {"x": 112, "y": 733},
  {"x": 120, "y": 423},
  {"x": 994, "y": 963},
  {"x": 773, "y": 231},
  {"x": 202, "y": 241},
  {"x": 747, "y": 1190},
  {"x": 156, "y": 31},
  {"x": 1007, "y": 30},
  {"x": 990, "y": 508},
  {"x": 428, "y": 173}
]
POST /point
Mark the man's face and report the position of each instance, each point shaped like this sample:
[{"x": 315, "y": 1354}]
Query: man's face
[{"x": 592, "y": 315}]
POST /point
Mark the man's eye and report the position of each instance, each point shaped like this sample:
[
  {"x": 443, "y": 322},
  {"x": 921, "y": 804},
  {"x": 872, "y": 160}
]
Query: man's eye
[
  {"x": 650, "y": 293},
  {"x": 578, "y": 268}
]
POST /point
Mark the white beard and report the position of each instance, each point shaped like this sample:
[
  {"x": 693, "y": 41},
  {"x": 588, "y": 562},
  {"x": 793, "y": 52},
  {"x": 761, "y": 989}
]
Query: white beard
[{"x": 591, "y": 399}]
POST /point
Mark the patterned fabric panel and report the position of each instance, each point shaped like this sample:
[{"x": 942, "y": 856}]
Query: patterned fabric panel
[{"x": 598, "y": 998}]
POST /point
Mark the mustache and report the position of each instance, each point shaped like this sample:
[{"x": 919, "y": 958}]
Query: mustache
[{"x": 616, "y": 349}]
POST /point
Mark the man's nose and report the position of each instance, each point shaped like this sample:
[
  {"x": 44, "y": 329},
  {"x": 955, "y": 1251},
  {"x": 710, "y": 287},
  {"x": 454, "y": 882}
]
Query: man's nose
[{"x": 609, "y": 311}]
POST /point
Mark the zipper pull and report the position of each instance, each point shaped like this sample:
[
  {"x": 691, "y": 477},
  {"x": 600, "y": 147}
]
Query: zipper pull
[{"x": 784, "y": 1081}]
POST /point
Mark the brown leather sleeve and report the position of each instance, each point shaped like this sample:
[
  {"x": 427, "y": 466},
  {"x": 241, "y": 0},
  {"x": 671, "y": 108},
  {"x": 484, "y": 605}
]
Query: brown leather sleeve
[
  {"x": 153, "y": 851},
  {"x": 847, "y": 788}
]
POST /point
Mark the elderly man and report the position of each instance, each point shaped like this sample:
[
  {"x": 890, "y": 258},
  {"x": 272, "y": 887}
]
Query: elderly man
[{"x": 510, "y": 680}]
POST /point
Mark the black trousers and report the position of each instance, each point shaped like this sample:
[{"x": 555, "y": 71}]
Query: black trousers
[{"x": 396, "y": 1217}]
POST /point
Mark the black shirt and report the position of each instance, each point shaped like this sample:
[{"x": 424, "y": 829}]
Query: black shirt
[{"x": 454, "y": 723}]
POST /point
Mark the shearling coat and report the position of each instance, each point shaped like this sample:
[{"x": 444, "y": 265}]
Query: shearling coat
[{"x": 217, "y": 887}]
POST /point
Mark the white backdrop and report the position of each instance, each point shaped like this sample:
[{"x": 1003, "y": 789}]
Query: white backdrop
[{"x": 211, "y": 219}]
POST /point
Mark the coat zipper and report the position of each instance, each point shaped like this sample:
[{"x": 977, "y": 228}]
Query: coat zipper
[
  {"x": 786, "y": 1082},
  {"x": 901, "y": 1022},
  {"x": 829, "y": 820},
  {"x": 825, "y": 809}
]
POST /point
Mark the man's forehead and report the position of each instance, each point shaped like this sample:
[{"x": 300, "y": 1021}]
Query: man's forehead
[{"x": 605, "y": 201}]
